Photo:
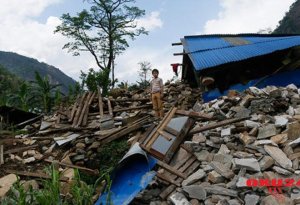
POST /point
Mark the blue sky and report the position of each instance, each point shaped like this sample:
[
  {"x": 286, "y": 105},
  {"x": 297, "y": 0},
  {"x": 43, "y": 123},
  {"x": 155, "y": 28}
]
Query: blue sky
[{"x": 27, "y": 29}]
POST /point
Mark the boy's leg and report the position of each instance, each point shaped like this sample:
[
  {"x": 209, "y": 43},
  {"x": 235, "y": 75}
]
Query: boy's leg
[
  {"x": 155, "y": 103},
  {"x": 160, "y": 106}
]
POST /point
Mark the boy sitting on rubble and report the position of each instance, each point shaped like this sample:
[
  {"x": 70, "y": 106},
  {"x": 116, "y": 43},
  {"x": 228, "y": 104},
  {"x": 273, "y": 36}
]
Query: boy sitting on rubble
[{"x": 157, "y": 93}]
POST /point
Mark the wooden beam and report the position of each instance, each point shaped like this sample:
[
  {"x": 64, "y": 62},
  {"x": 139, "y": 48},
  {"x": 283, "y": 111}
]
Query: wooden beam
[
  {"x": 194, "y": 114},
  {"x": 79, "y": 109},
  {"x": 164, "y": 123},
  {"x": 165, "y": 135},
  {"x": 171, "y": 130},
  {"x": 110, "y": 111},
  {"x": 126, "y": 131},
  {"x": 132, "y": 108},
  {"x": 129, "y": 100},
  {"x": 167, "y": 179},
  {"x": 177, "y": 44},
  {"x": 30, "y": 121},
  {"x": 86, "y": 113},
  {"x": 216, "y": 125},
  {"x": 100, "y": 101},
  {"x": 90, "y": 171},
  {"x": 20, "y": 149},
  {"x": 1, "y": 155},
  {"x": 84, "y": 109},
  {"x": 171, "y": 169},
  {"x": 179, "y": 54},
  {"x": 34, "y": 174},
  {"x": 179, "y": 139}
]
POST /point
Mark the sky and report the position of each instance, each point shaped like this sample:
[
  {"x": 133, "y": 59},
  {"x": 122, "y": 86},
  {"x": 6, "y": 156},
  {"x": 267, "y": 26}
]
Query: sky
[{"x": 26, "y": 28}]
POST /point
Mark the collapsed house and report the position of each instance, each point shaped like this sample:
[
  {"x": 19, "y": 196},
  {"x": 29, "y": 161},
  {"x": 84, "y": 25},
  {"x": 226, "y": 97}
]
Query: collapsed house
[
  {"x": 200, "y": 153},
  {"x": 219, "y": 63}
]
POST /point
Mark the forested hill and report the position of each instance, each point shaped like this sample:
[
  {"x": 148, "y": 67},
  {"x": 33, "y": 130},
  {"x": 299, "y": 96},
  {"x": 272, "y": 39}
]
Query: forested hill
[
  {"x": 290, "y": 24},
  {"x": 25, "y": 67}
]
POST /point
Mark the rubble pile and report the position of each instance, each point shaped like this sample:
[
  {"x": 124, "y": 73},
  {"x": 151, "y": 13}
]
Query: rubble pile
[
  {"x": 75, "y": 135},
  {"x": 247, "y": 153}
]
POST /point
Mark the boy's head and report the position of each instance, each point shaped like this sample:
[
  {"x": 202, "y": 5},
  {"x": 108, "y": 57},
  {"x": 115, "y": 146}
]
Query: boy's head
[{"x": 155, "y": 73}]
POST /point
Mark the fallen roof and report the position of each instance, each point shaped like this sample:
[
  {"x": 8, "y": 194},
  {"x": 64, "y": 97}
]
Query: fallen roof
[{"x": 206, "y": 51}]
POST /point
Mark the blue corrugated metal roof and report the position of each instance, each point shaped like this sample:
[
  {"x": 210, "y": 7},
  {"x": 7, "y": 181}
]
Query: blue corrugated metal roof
[{"x": 210, "y": 51}]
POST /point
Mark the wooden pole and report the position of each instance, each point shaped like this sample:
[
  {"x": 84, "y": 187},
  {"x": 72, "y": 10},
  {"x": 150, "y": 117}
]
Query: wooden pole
[
  {"x": 100, "y": 101},
  {"x": 1, "y": 155}
]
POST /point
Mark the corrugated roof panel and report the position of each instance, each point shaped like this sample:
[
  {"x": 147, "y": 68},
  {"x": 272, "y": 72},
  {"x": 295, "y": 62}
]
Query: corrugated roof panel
[
  {"x": 195, "y": 44},
  {"x": 208, "y": 52}
]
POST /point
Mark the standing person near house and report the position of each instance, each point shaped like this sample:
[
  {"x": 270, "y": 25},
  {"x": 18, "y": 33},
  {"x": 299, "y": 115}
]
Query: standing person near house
[{"x": 157, "y": 93}]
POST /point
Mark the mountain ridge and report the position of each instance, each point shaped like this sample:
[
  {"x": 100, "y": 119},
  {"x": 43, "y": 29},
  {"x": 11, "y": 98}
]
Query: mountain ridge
[{"x": 24, "y": 67}]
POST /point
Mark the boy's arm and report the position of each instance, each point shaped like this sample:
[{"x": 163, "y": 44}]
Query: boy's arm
[
  {"x": 150, "y": 90},
  {"x": 161, "y": 88}
]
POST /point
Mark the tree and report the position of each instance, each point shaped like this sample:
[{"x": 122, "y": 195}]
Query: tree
[
  {"x": 22, "y": 98},
  {"x": 45, "y": 90},
  {"x": 103, "y": 31},
  {"x": 93, "y": 79},
  {"x": 145, "y": 68}
]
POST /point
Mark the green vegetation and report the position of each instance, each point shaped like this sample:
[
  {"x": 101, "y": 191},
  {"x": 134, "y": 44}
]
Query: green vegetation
[
  {"x": 35, "y": 96},
  {"x": 290, "y": 24},
  {"x": 81, "y": 193},
  {"x": 110, "y": 154},
  {"x": 25, "y": 67}
]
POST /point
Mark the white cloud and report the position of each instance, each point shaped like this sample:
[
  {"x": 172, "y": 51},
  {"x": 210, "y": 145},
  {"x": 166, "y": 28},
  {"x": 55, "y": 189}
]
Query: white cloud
[
  {"x": 247, "y": 16},
  {"x": 151, "y": 21},
  {"x": 23, "y": 34}
]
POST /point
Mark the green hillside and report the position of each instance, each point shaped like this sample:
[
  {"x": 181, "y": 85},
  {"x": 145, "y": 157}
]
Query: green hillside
[
  {"x": 290, "y": 24},
  {"x": 25, "y": 68}
]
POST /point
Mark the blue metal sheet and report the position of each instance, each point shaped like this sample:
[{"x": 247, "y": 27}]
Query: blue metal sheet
[
  {"x": 131, "y": 176},
  {"x": 211, "y": 51},
  {"x": 280, "y": 79}
]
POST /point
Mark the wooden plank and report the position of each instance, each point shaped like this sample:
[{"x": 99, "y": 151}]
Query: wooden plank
[
  {"x": 167, "y": 179},
  {"x": 216, "y": 125},
  {"x": 164, "y": 123},
  {"x": 165, "y": 193},
  {"x": 132, "y": 108},
  {"x": 147, "y": 133},
  {"x": 110, "y": 110},
  {"x": 188, "y": 168},
  {"x": 20, "y": 149},
  {"x": 74, "y": 108},
  {"x": 100, "y": 101},
  {"x": 126, "y": 131},
  {"x": 86, "y": 114},
  {"x": 171, "y": 169},
  {"x": 30, "y": 121},
  {"x": 175, "y": 145},
  {"x": 79, "y": 109},
  {"x": 90, "y": 171},
  {"x": 129, "y": 100},
  {"x": 165, "y": 135},
  {"x": 1, "y": 155},
  {"x": 171, "y": 130},
  {"x": 34, "y": 174},
  {"x": 155, "y": 153},
  {"x": 84, "y": 109},
  {"x": 194, "y": 114}
]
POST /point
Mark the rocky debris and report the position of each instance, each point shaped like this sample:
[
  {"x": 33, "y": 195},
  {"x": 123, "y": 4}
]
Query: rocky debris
[
  {"x": 252, "y": 136},
  {"x": 75, "y": 136},
  {"x": 6, "y": 183}
]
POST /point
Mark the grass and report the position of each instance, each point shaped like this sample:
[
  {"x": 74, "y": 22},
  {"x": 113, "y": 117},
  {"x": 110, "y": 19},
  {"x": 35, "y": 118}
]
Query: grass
[{"x": 81, "y": 193}]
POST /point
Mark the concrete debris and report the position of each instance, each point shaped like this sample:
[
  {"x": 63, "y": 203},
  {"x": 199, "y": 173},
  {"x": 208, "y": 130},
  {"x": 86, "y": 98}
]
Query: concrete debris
[
  {"x": 264, "y": 145},
  {"x": 249, "y": 135}
]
